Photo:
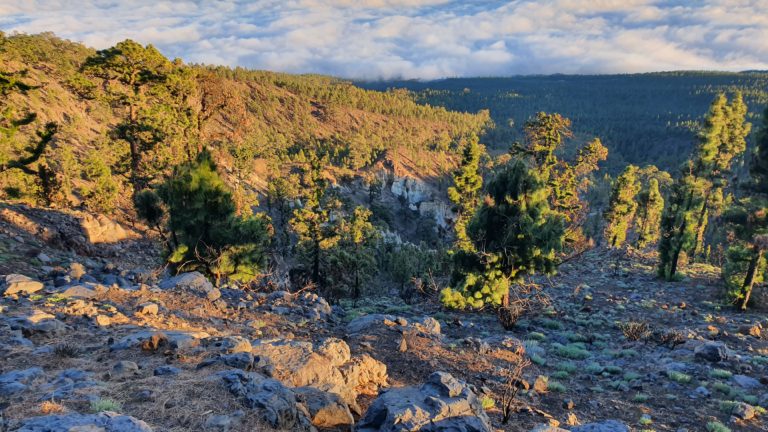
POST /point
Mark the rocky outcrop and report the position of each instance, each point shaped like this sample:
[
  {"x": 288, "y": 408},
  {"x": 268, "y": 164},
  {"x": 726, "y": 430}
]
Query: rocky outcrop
[
  {"x": 192, "y": 282},
  {"x": 327, "y": 366},
  {"x": 375, "y": 322},
  {"x": 105, "y": 421},
  {"x": 276, "y": 403},
  {"x": 101, "y": 229},
  {"x": 443, "y": 403},
  {"x": 15, "y": 284}
]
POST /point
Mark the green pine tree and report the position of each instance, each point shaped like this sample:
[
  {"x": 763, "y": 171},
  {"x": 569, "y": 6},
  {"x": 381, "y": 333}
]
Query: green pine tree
[
  {"x": 748, "y": 222},
  {"x": 515, "y": 232},
  {"x": 205, "y": 232},
  {"x": 650, "y": 207},
  {"x": 467, "y": 183},
  {"x": 621, "y": 207}
]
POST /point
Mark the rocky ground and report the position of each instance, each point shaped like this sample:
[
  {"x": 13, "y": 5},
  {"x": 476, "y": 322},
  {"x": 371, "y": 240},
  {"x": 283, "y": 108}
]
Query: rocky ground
[{"x": 92, "y": 340}]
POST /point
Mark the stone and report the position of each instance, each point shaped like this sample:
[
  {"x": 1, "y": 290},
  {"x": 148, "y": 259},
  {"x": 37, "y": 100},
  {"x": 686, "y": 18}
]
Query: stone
[
  {"x": 712, "y": 351},
  {"x": 366, "y": 323},
  {"x": 428, "y": 408},
  {"x": 102, "y": 422},
  {"x": 43, "y": 258},
  {"x": 547, "y": 428},
  {"x": 274, "y": 402},
  {"x": 568, "y": 404},
  {"x": 743, "y": 411},
  {"x": 327, "y": 366},
  {"x": 152, "y": 339},
  {"x": 147, "y": 309},
  {"x": 325, "y": 409},
  {"x": 193, "y": 282},
  {"x": 222, "y": 422},
  {"x": 78, "y": 292},
  {"x": 16, "y": 284},
  {"x": 228, "y": 344},
  {"x": 17, "y": 381},
  {"x": 541, "y": 384},
  {"x": 428, "y": 325},
  {"x": 37, "y": 321},
  {"x": 125, "y": 368},
  {"x": 746, "y": 382},
  {"x": 604, "y": 426},
  {"x": 101, "y": 229},
  {"x": 751, "y": 330},
  {"x": 166, "y": 370},
  {"x": 102, "y": 320}
]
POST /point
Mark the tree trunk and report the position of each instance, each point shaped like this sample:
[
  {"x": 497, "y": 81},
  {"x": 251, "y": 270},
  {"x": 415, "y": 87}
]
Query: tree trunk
[
  {"x": 749, "y": 281},
  {"x": 698, "y": 241},
  {"x": 316, "y": 263}
]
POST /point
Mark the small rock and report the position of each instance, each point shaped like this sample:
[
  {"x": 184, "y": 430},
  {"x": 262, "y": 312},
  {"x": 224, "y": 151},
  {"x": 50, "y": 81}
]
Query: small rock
[
  {"x": 147, "y": 309},
  {"x": 746, "y": 382},
  {"x": 102, "y": 320},
  {"x": 711, "y": 351},
  {"x": 568, "y": 404},
  {"x": 43, "y": 258},
  {"x": 124, "y": 368},
  {"x": 541, "y": 384},
  {"x": 403, "y": 347},
  {"x": 166, "y": 370},
  {"x": 750, "y": 330},
  {"x": 743, "y": 411},
  {"x": 19, "y": 284}
]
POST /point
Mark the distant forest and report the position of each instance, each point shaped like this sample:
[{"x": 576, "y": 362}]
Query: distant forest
[{"x": 641, "y": 118}]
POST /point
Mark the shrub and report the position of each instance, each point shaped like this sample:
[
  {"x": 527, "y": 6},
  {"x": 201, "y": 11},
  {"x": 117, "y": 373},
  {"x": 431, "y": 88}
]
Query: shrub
[
  {"x": 715, "y": 426},
  {"x": 573, "y": 351},
  {"x": 100, "y": 405},
  {"x": 635, "y": 330},
  {"x": 720, "y": 374},
  {"x": 679, "y": 377},
  {"x": 556, "y": 386},
  {"x": 640, "y": 398}
]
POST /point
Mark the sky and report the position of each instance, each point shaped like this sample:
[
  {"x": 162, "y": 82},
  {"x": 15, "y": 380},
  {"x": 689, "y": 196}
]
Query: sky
[{"x": 419, "y": 39}]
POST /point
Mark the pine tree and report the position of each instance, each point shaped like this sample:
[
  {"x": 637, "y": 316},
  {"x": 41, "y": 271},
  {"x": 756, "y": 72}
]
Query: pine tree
[
  {"x": 748, "y": 221},
  {"x": 621, "y": 207},
  {"x": 545, "y": 135},
  {"x": 650, "y": 207},
  {"x": 351, "y": 262},
  {"x": 205, "y": 233},
  {"x": 134, "y": 70},
  {"x": 313, "y": 223},
  {"x": 678, "y": 221},
  {"x": 720, "y": 142},
  {"x": 515, "y": 233},
  {"x": 19, "y": 155},
  {"x": 467, "y": 183}
]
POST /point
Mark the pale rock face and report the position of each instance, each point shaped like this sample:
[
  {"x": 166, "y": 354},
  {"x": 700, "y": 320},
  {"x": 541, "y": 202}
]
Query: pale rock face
[
  {"x": 423, "y": 198},
  {"x": 101, "y": 229}
]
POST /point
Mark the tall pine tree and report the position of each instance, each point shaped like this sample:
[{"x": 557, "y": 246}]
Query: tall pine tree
[
  {"x": 467, "y": 183},
  {"x": 621, "y": 207},
  {"x": 650, "y": 207}
]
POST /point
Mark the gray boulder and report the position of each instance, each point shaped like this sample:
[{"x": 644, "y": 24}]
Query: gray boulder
[
  {"x": 37, "y": 321},
  {"x": 17, "y": 381},
  {"x": 105, "y": 421},
  {"x": 193, "y": 282},
  {"x": 176, "y": 339},
  {"x": 443, "y": 403},
  {"x": 712, "y": 351},
  {"x": 276, "y": 403},
  {"x": 15, "y": 284},
  {"x": 604, "y": 426}
]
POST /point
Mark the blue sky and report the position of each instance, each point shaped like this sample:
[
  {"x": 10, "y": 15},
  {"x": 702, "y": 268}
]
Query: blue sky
[{"x": 420, "y": 39}]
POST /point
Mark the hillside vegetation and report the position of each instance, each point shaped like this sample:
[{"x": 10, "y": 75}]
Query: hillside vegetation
[
  {"x": 642, "y": 118},
  {"x": 256, "y": 123}
]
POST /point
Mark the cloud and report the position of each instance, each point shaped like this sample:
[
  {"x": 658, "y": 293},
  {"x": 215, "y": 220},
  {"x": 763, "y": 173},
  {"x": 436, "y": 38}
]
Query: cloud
[{"x": 424, "y": 39}]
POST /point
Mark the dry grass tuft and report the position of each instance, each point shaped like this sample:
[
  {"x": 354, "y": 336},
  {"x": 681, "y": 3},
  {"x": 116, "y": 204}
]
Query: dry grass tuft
[{"x": 51, "y": 407}]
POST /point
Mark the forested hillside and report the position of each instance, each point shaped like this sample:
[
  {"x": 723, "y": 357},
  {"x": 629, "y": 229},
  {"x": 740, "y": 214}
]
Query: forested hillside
[
  {"x": 128, "y": 115},
  {"x": 641, "y": 118}
]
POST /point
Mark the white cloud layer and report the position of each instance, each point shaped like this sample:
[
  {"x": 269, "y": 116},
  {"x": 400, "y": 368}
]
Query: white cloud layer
[{"x": 423, "y": 39}]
